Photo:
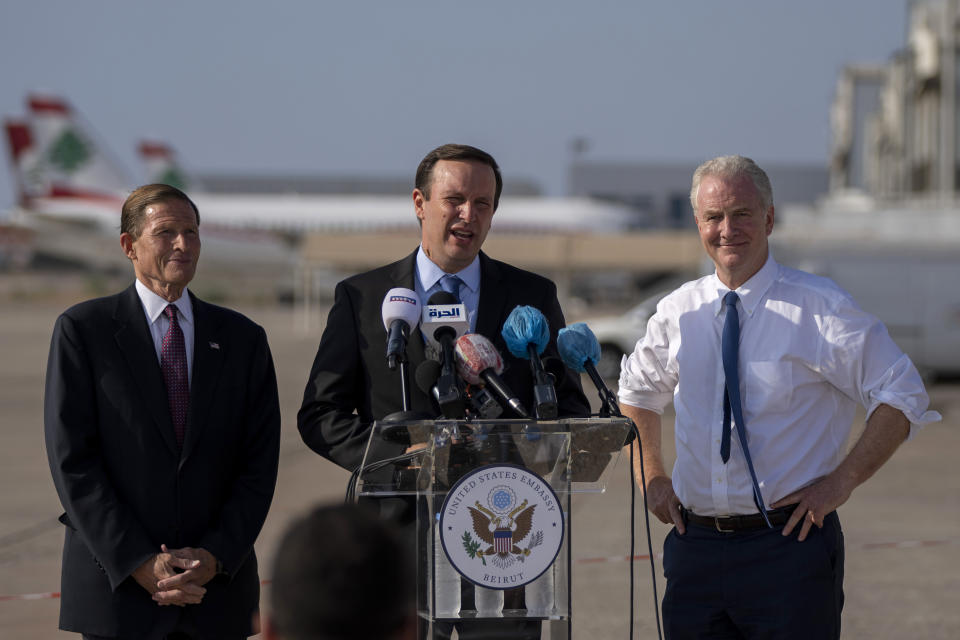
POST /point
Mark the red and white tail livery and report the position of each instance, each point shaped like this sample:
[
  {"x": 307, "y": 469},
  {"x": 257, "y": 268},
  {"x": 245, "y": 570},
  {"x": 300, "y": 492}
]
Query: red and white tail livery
[
  {"x": 59, "y": 170},
  {"x": 160, "y": 162},
  {"x": 68, "y": 159},
  {"x": 64, "y": 176},
  {"x": 22, "y": 155}
]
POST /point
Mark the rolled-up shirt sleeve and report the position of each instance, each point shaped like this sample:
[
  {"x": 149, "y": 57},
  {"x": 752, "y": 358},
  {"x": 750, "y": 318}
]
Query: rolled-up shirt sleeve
[
  {"x": 859, "y": 357},
  {"x": 648, "y": 376}
]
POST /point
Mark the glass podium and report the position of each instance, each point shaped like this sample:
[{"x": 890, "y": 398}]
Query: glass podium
[{"x": 493, "y": 511}]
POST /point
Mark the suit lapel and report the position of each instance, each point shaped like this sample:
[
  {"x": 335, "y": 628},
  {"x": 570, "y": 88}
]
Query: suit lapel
[
  {"x": 136, "y": 345},
  {"x": 208, "y": 347},
  {"x": 493, "y": 298}
]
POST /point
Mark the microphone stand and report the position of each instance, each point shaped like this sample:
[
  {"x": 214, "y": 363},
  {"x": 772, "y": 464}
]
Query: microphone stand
[
  {"x": 544, "y": 395},
  {"x": 449, "y": 397},
  {"x": 404, "y": 384},
  {"x": 608, "y": 401},
  {"x": 395, "y": 430}
]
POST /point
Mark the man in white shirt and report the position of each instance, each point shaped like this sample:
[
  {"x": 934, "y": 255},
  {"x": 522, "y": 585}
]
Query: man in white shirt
[{"x": 765, "y": 366}]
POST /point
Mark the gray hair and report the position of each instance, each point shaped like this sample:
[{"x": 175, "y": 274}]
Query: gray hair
[{"x": 733, "y": 167}]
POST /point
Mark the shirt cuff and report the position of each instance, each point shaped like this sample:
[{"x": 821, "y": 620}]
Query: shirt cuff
[
  {"x": 649, "y": 400},
  {"x": 917, "y": 415}
]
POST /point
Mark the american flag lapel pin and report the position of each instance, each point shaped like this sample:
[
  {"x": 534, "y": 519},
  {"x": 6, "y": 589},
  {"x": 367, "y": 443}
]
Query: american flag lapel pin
[{"x": 215, "y": 345}]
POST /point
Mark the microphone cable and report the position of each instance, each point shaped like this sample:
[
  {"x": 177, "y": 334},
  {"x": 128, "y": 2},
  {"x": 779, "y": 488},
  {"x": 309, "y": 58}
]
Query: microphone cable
[
  {"x": 646, "y": 515},
  {"x": 351, "y": 495}
]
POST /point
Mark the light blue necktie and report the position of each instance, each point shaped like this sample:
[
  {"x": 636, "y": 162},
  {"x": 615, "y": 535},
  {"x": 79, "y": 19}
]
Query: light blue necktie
[
  {"x": 730, "y": 347},
  {"x": 451, "y": 284}
]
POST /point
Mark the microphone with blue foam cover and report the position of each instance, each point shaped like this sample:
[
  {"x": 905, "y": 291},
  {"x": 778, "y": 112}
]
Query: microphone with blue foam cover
[
  {"x": 527, "y": 332},
  {"x": 580, "y": 351}
]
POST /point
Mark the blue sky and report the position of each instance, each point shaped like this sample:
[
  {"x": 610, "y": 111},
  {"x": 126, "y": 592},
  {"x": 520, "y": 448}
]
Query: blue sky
[{"x": 360, "y": 87}]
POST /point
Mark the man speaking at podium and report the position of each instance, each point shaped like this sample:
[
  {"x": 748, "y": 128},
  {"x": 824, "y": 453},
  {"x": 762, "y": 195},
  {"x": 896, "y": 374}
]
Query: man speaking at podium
[{"x": 457, "y": 191}]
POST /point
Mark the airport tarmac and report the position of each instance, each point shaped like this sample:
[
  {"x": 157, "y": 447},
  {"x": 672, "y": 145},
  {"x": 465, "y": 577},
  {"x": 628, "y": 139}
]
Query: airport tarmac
[{"x": 902, "y": 528}]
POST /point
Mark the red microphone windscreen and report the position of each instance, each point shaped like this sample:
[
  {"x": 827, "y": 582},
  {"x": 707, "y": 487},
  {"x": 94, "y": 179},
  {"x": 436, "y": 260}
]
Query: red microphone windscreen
[{"x": 476, "y": 354}]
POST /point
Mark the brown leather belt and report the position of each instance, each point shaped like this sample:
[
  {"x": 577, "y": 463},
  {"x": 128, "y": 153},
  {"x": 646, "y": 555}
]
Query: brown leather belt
[{"x": 730, "y": 524}]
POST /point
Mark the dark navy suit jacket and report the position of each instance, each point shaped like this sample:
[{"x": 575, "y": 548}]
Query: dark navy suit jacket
[
  {"x": 126, "y": 487},
  {"x": 350, "y": 384}
]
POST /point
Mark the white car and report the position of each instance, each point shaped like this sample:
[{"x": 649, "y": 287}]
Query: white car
[{"x": 618, "y": 335}]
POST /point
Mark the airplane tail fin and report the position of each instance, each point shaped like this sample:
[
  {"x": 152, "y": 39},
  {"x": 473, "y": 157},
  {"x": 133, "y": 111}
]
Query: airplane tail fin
[
  {"x": 67, "y": 160},
  {"x": 21, "y": 152},
  {"x": 160, "y": 162}
]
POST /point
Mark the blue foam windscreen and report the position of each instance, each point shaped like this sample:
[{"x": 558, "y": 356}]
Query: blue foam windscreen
[
  {"x": 577, "y": 344},
  {"x": 525, "y": 325}
]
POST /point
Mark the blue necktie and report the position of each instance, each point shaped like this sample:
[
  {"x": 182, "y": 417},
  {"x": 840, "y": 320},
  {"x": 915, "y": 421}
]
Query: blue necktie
[
  {"x": 730, "y": 347},
  {"x": 451, "y": 284}
]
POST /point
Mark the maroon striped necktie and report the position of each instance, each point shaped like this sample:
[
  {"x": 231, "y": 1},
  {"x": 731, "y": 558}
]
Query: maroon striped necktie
[{"x": 173, "y": 365}]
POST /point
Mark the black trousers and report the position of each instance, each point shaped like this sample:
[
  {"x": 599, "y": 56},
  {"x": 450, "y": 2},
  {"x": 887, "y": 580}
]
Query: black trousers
[{"x": 756, "y": 585}]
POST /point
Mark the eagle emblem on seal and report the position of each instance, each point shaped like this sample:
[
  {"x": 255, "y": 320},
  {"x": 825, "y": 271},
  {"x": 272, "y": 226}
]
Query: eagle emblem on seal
[{"x": 503, "y": 527}]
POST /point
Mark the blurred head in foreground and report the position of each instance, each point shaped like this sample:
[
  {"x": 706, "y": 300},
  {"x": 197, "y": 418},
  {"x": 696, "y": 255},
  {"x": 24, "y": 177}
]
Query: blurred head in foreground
[{"x": 341, "y": 573}]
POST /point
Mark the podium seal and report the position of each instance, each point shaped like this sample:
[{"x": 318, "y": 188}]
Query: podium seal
[{"x": 501, "y": 526}]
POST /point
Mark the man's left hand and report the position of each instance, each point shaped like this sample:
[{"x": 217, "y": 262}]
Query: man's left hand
[
  {"x": 813, "y": 502},
  {"x": 198, "y": 575}
]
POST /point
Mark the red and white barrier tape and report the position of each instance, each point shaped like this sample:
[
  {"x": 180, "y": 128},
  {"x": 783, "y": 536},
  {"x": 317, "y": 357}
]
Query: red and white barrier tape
[
  {"x": 32, "y": 596},
  {"x": 868, "y": 546}
]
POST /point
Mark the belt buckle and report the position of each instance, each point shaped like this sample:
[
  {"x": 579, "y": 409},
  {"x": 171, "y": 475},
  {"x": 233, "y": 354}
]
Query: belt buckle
[{"x": 716, "y": 523}]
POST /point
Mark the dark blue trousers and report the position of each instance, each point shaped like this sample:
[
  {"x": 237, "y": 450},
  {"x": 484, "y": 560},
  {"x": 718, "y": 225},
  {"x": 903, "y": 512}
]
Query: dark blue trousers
[{"x": 756, "y": 585}]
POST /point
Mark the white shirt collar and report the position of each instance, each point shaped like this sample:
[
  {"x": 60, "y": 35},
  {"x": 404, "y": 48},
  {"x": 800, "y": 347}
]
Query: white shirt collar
[
  {"x": 154, "y": 305},
  {"x": 751, "y": 291},
  {"x": 430, "y": 273}
]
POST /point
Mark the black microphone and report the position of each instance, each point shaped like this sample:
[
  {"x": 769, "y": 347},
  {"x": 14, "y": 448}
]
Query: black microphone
[
  {"x": 426, "y": 375},
  {"x": 443, "y": 320},
  {"x": 481, "y": 402},
  {"x": 555, "y": 368},
  {"x": 484, "y": 404},
  {"x": 527, "y": 333}
]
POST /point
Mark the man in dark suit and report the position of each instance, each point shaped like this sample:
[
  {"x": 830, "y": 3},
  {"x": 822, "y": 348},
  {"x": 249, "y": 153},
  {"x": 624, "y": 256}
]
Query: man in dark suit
[
  {"x": 457, "y": 190},
  {"x": 162, "y": 428}
]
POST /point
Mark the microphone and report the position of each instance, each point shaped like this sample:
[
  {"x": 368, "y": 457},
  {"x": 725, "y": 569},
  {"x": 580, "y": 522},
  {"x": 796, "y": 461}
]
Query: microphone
[
  {"x": 527, "y": 333},
  {"x": 479, "y": 363},
  {"x": 580, "y": 351},
  {"x": 426, "y": 375},
  {"x": 481, "y": 401},
  {"x": 484, "y": 404},
  {"x": 555, "y": 369},
  {"x": 444, "y": 319},
  {"x": 401, "y": 313},
  {"x": 443, "y": 312}
]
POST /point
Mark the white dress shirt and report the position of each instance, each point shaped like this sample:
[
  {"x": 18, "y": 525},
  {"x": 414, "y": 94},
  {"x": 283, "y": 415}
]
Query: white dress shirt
[
  {"x": 153, "y": 306},
  {"x": 808, "y": 354},
  {"x": 427, "y": 283}
]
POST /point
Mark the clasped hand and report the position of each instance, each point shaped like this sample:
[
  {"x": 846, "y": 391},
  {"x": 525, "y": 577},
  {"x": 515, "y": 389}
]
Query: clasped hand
[{"x": 177, "y": 576}]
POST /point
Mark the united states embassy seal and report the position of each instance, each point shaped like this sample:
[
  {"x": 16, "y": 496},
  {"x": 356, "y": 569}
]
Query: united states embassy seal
[{"x": 501, "y": 526}]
